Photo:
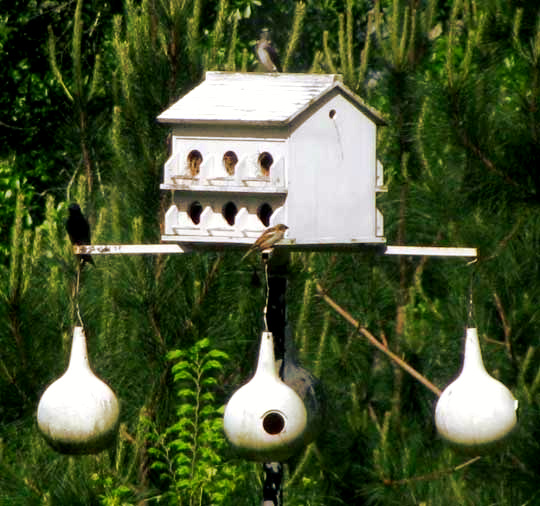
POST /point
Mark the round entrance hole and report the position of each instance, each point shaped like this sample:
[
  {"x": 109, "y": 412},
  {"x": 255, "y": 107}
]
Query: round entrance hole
[
  {"x": 229, "y": 212},
  {"x": 332, "y": 114},
  {"x": 265, "y": 162},
  {"x": 194, "y": 212},
  {"x": 273, "y": 423},
  {"x": 264, "y": 213}
]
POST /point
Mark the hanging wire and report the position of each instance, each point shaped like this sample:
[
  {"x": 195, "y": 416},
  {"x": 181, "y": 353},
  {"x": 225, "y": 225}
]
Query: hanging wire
[
  {"x": 265, "y": 312},
  {"x": 79, "y": 269},
  {"x": 470, "y": 312}
]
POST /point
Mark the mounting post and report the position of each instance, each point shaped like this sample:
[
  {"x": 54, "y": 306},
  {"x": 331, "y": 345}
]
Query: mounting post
[{"x": 276, "y": 265}]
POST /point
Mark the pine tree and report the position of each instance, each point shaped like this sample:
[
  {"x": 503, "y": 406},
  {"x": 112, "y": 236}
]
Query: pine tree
[{"x": 458, "y": 84}]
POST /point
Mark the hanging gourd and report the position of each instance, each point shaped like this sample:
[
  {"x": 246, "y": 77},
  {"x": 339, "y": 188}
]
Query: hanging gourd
[
  {"x": 475, "y": 409},
  {"x": 265, "y": 420},
  {"x": 78, "y": 413}
]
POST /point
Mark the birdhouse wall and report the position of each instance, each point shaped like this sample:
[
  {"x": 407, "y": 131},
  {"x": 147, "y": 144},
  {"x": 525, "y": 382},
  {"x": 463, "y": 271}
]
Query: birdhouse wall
[
  {"x": 236, "y": 189},
  {"x": 252, "y": 151},
  {"x": 332, "y": 176}
]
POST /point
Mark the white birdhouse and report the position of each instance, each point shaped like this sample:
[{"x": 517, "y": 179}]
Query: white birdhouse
[{"x": 253, "y": 150}]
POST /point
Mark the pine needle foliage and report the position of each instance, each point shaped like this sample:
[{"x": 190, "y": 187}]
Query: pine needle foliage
[
  {"x": 458, "y": 83},
  {"x": 84, "y": 90}
]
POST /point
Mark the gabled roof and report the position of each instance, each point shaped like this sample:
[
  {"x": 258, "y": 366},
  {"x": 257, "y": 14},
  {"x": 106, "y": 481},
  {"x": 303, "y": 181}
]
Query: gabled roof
[{"x": 272, "y": 99}]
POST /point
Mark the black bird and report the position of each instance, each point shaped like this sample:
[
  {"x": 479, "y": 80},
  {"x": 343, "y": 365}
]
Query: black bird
[
  {"x": 266, "y": 53},
  {"x": 78, "y": 230}
]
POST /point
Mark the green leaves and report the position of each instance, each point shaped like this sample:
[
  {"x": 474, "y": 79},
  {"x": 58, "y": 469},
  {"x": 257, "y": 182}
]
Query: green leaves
[{"x": 189, "y": 452}]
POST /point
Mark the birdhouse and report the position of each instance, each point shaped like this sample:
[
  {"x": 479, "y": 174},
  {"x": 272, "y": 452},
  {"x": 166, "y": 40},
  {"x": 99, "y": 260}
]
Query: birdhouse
[
  {"x": 252, "y": 150},
  {"x": 266, "y": 419}
]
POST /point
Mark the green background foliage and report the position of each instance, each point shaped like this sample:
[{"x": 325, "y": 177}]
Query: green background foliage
[{"x": 458, "y": 83}]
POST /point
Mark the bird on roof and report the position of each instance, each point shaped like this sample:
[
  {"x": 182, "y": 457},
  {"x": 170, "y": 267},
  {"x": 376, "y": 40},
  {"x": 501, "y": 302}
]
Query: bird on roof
[
  {"x": 268, "y": 238},
  {"x": 266, "y": 53},
  {"x": 78, "y": 229}
]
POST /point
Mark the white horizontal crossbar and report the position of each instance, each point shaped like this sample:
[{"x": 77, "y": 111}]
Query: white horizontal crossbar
[
  {"x": 431, "y": 251},
  {"x": 127, "y": 249},
  {"x": 156, "y": 249}
]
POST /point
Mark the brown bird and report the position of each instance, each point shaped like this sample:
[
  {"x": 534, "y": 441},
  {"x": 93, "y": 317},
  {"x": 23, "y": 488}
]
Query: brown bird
[
  {"x": 230, "y": 160},
  {"x": 268, "y": 238},
  {"x": 194, "y": 163},
  {"x": 266, "y": 53}
]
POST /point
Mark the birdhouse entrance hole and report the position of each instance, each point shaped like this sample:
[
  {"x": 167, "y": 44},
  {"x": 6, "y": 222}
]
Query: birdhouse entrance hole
[
  {"x": 194, "y": 162},
  {"x": 229, "y": 212},
  {"x": 265, "y": 162},
  {"x": 332, "y": 113},
  {"x": 194, "y": 212},
  {"x": 264, "y": 213},
  {"x": 229, "y": 162},
  {"x": 273, "y": 423}
]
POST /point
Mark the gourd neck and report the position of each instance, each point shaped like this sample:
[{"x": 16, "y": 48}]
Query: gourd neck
[
  {"x": 266, "y": 364},
  {"x": 78, "y": 359},
  {"x": 472, "y": 361}
]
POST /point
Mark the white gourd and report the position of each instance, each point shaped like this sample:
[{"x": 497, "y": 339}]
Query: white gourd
[
  {"x": 475, "y": 409},
  {"x": 78, "y": 413},
  {"x": 265, "y": 420}
]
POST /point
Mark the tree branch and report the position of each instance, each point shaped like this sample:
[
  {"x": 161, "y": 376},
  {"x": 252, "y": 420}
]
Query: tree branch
[
  {"x": 507, "y": 328},
  {"x": 375, "y": 342},
  {"x": 432, "y": 476}
]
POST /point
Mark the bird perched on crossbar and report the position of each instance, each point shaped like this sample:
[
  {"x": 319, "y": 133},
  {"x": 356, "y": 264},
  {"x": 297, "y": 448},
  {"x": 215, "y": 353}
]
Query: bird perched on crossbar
[
  {"x": 268, "y": 238},
  {"x": 266, "y": 53},
  {"x": 78, "y": 230}
]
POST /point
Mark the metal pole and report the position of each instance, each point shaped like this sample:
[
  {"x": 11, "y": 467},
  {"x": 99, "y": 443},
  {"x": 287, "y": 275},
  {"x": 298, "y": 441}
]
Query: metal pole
[{"x": 272, "y": 492}]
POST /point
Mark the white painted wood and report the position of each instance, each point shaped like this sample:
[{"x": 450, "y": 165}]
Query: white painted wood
[
  {"x": 249, "y": 224},
  {"x": 229, "y": 188},
  {"x": 248, "y": 238},
  {"x": 379, "y": 184},
  {"x": 431, "y": 251},
  {"x": 264, "y": 99},
  {"x": 379, "y": 224},
  {"x": 332, "y": 175},
  {"x": 320, "y": 136},
  {"x": 184, "y": 225},
  {"x": 212, "y": 240},
  {"x": 128, "y": 249},
  {"x": 278, "y": 216}
]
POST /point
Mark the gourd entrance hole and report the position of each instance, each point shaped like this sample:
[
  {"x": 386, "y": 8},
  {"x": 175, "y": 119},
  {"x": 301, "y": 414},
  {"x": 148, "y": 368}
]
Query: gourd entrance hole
[
  {"x": 194, "y": 212},
  {"x": 229, "y": 212},
  {"x": 273, "y": 423},
  {"x": 264, "y": 213}
]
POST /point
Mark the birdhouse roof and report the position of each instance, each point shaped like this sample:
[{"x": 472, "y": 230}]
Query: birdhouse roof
[{"x": 271, "y": 99}]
